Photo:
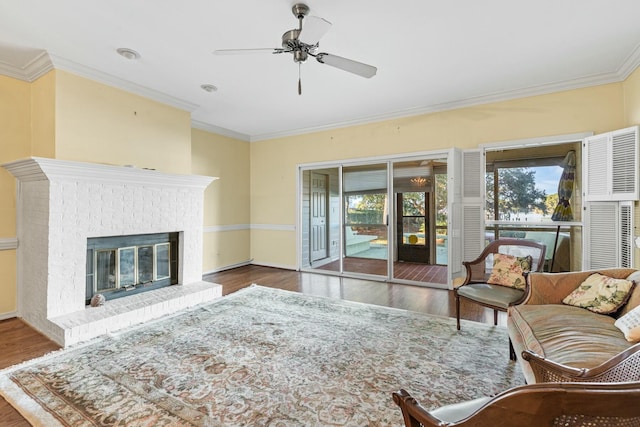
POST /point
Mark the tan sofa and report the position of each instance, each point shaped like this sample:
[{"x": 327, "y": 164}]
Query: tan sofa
[{"x": 557, "y": 342}]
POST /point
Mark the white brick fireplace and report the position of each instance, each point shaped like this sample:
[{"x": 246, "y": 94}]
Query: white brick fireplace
[{"x": 63, "y": 203}]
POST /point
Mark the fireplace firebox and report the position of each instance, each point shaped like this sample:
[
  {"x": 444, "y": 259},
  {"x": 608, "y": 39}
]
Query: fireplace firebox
[{"x": 119, "y": 266}]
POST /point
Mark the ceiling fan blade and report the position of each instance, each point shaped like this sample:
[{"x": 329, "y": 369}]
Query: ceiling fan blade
[
  {"x": 355, "y": 67},
  {"x": 313, "y": 30},
  {"x": 247, "y": 51}
]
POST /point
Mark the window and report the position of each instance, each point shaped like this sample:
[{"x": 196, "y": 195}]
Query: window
[{"x": 523, "y": 193}]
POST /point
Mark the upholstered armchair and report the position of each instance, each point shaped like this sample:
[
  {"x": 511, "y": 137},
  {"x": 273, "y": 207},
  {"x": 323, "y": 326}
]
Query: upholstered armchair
[
  {"x": 497, "y": 278},
  {"x": 535, "y": 405}
]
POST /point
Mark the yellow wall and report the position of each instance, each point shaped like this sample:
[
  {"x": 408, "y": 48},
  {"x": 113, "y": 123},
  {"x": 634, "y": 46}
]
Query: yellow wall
[
  {"x": 226, "y": 209},
  {"x": 64, "y": 116},
  {"x": 98, "y": 123},
  {"x": 632, "y": 116},
  {"x": 632, "y": 98},
  {"x": 69, "y": 117},
  {"x": 43, "y": 116},
  {"x": 15, "y": 136},
  {"x": 273, "y": 162}
]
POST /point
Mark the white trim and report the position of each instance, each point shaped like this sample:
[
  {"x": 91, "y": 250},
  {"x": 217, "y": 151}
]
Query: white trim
[
  {"x": 535, "y": 223},
  {"x": 8, "y": 315},
  {"x": 274, "y": 227},
  {"x": 219, "y": 131},
  {"x": 535, "y": 142},
  {"x": 41, "y": 169},
  {"x": 47, "y": 61},
  {"x": 228, "y": 267},
  {"x": 33, "y": 70},
  {"x": 421, "y": 155},
  {"x": 8, "y": 243},
  {"x": 64, "y": 64},
  {"x": 630, "y": 64},
  {"x": 221, "y": 228},
  {"x": 282, "y": 266}
]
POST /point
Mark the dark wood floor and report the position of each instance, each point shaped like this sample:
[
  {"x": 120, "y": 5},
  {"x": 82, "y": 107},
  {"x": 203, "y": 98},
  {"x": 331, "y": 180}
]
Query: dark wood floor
[
  {"x": 19, "y": 342},
  {"x": 414, "y": 271}
]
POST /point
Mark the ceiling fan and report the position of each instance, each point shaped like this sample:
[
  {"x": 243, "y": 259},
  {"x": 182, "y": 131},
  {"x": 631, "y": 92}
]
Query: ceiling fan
[{"x": 304, "y": 42}]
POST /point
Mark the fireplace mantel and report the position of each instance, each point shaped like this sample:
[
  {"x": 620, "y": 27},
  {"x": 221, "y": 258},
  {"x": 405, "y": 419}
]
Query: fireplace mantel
[{"x": 61, "y": 204}]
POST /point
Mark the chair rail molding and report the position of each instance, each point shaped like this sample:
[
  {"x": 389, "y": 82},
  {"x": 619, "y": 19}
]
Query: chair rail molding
[{"x": 8, "y": 243}]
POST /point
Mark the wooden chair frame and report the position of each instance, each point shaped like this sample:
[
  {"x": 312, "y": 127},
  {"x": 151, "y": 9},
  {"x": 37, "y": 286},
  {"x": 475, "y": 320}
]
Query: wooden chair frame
[
  {"x": 623, "y": 367},
  {"x": 540, "y": 405},
  {"x": 477, "y": 273}
]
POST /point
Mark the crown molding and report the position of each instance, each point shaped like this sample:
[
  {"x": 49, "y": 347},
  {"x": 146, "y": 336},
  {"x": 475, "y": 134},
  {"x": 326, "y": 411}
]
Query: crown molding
[
  {"x": 220, "y": 131},
  {"x": 630, "y": 64},
  {"x": 32, "y": 71},
  {"x": 60, "y": 63},
  {"x": 45, "y": 62}
]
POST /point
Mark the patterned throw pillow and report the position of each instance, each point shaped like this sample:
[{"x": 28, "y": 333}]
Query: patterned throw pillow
[
  {"x": 600, "y": 294},
  {"x": 629, "y": 324},
  {"x": 508, "y": 270}
]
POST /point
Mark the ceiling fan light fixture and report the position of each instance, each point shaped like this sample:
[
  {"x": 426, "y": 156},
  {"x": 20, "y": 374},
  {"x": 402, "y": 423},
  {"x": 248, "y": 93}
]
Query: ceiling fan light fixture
[
  {"x": 303, "y": 42},
  {"x": 127, "y": 53},
  {"x": 355, "y": 67}
]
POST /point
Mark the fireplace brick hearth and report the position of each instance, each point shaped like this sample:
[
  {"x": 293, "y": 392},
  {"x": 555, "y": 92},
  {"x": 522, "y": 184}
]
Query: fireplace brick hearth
[{"x": 63, "y": 203}]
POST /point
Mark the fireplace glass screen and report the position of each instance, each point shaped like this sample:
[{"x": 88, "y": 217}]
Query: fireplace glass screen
[
  {"x": 131, "y": 263},
  {"x": 145, "y": 263},
  {"x": 105, "y": 270}
]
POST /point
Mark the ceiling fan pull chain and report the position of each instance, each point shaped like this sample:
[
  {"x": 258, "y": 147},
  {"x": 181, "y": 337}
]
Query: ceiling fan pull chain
[{"x": 299, "y": 78}]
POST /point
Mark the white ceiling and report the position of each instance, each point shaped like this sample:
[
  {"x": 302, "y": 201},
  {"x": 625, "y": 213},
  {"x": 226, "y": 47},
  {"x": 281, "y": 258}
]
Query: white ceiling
[{"x": 431, "y": 55}]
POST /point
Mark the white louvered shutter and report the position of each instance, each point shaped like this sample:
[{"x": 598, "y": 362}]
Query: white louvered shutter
[
  {"x": 472, "y": 212},
  {"x": 454, "y": 201},
  {"x": 624, "y": 164},
  {"x": 626, "y": 234},
  {"x": 596, "y": 155},
  {"x": 610, "y": 166},
  {"x": 601, "y": 235}
]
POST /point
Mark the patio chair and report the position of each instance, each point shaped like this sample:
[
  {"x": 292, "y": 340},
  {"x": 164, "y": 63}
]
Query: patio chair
[
  {"x": 478, "y": 286},
  {"x": 534, "y": 405}
]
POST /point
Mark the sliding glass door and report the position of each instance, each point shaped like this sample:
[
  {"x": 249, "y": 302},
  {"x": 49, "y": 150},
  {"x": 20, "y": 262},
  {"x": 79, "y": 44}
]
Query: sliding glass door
[
  {"x": 353, "y": 223},
  {"x": 420, "y": 197},
  {"x": 320, "y": 223},
  {"x": 366, "y": 216}
]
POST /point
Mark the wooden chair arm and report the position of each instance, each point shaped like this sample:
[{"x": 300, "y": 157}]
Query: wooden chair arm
[
  {"x": 468, "y": 265},
  {"x": 414, "y": 414},
  {"x": 623, "y": 367}
]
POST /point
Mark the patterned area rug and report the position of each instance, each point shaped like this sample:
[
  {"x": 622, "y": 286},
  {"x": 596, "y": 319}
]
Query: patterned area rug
[{"x": 263, "y": 357}]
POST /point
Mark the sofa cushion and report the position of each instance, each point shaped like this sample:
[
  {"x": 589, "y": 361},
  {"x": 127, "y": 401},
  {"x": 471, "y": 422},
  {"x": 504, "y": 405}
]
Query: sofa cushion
[
  {"x": 634, "y": 299},
  {"x": 567, "y": 334},
  {"x": 600, "y": 294},
  {"x": 629, "y": 324},
  {"x": 508, "y": 270}
]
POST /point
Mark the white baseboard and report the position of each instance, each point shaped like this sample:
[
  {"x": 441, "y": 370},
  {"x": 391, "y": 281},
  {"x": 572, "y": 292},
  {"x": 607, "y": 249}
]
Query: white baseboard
[
  {"x": 228, "y": 267},
  {"x": 249, "y": 262},
  {"x": 282, "y": 266},
  {"x": 9, "y": 315}
]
